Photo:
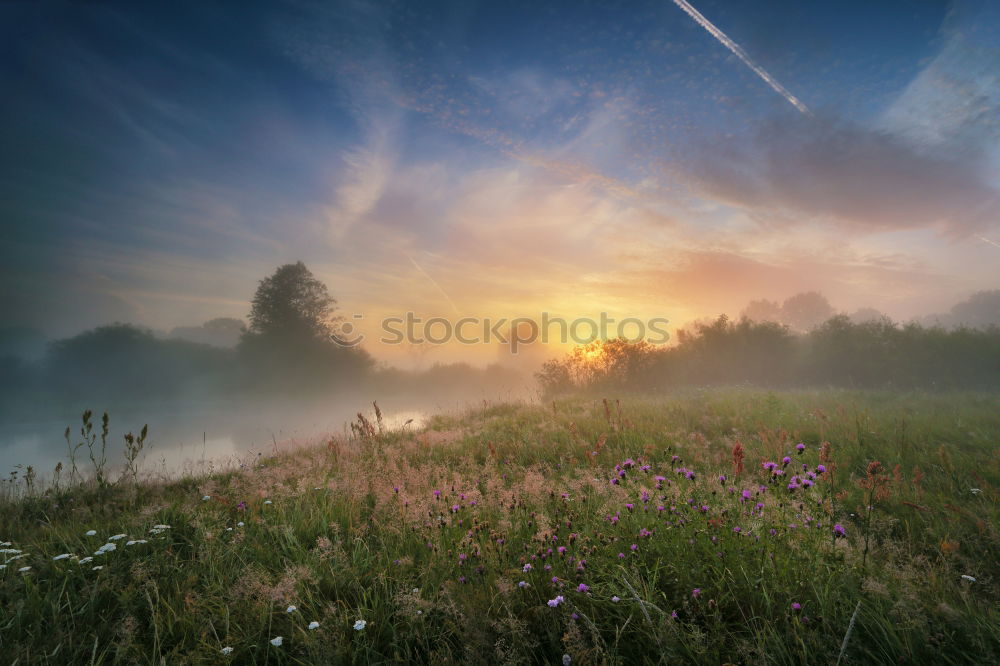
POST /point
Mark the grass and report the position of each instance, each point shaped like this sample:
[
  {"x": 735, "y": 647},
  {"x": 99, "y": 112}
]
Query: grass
[{"x": 356, "y": 531}]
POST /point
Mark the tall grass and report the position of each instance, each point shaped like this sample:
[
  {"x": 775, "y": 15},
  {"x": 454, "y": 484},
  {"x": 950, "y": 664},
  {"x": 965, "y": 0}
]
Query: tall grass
[{"x": 428, "y": 535}]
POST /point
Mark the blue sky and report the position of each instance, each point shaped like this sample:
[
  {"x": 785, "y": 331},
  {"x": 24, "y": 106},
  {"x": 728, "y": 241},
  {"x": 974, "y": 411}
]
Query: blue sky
[{"x": 159, "y": 159}]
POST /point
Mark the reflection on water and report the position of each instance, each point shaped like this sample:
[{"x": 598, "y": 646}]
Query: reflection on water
[{"x": 200, "y": 438}]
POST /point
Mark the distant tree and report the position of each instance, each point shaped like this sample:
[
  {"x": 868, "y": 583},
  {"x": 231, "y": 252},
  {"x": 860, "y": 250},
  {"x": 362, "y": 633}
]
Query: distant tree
[
  {"x": 763, "y": 310},
  {"x": 981, "y": 310},
  {"x": 805, "y": 311},
  {"x": 292, "y": 302},
  {"x": 290, "y": 342},
  {"x": 218, "y": 332}
]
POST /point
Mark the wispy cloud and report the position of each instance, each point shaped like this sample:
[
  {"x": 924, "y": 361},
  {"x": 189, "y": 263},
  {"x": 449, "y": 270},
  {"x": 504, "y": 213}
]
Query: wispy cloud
[{"x": 741, "y": 54}]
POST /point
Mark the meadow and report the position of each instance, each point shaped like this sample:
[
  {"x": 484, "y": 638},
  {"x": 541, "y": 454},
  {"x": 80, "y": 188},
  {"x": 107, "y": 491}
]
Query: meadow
[{"x": 720, "y": 526}]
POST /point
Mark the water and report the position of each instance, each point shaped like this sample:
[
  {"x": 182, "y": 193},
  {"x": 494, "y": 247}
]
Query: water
[{"x": 196, "y": 436}]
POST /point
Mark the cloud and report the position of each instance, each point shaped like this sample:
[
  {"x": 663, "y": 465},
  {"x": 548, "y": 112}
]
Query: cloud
[{"x": 866, "y": 179}]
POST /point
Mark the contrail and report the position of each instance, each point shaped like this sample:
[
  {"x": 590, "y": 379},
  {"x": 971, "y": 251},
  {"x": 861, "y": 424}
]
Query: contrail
[
  {"x": 443, "y": 292},
  {"x": 987, "y": 240},
  {"x": 742, "y": 55}
]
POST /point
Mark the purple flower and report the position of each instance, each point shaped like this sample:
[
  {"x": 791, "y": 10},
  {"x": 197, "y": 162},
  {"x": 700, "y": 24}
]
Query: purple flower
[
  {"x": 455, "y": 508},
  {"x": 800, "y": 447},
  {"x": 526, "y": 568},
  {"x": 786, "y": 460},
  {"x": 555, "y": 602},
  {"x": 696, "y": 592},
  {"x": 583, "y": 587},
  {"x": 522, "y": 584},
  {"x": 796, "y": 606},
  {"x": 437, "y": 493},
  {"x": 820, "y": 469},
  {"x": 634, "y": 547},
  {"x": 722, "y": 478},
  {"x": 838, "y": 529}
]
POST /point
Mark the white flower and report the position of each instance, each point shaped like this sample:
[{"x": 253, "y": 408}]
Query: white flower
[
  {"x": 3, "y": 566},
  {"x": 240, "y": 524},
  {"x": 85, "y": 560},
  {"x": 291, "y": 609},
  {"x": 969, "y": 578},
  {"x": 106, "y": 548},
  {"x": 206, "y": 498},
  {"x": 61, "y": 557},
  {"x": 229, "y": 529},
  {"x": 4, "y": 544},
  {"x": 359, "y": 625},
  {"x": 117, "y": 537},
  {"x": 10, "y": 551},
  {"x": 975, "y": 491},
  {"x": 268, "y": 502},
  {"x": 526, "y": 568},
  {"x": 23, "y": 569},
  {"x": 567, "y": 660},
  {"x": 97, "y": 568},
  {"x": 135, "y": 542},
  {"x": 615, "y": 599},
  {"x": 276, "y": 641},
  {"x": 161, "y": 527},
  {"x": 314, "y": 625},
  {"x": 90, "y": 533},
  {"x": 226, "y": 650}
]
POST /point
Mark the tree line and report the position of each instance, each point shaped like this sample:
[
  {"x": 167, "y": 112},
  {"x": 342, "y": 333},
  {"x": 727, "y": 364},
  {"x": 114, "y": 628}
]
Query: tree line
[{"x": 840, "y": 352}]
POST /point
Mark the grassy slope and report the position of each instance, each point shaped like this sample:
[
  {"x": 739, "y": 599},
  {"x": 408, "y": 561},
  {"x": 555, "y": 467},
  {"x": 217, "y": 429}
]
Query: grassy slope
[{"x": 341, "y": 543}]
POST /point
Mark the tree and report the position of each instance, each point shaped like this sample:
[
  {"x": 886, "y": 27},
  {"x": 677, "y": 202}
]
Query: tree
[
  {"x": 981, "y": 310},
  {"x": 218, "y": 332},
  {"x": 805, "y": 311},
  {"x": 292, "y": 303},
  {"x": 289, "y": 342},
  {"x": 763, "y": 310}
]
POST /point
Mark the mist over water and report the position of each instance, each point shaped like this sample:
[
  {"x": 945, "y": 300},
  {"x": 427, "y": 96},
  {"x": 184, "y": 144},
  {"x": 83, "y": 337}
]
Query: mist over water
[{"x": 211, "y": 434}]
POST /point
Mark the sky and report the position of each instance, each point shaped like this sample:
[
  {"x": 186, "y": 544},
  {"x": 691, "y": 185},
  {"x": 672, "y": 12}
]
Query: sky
[{"x": 647, "y": 159}]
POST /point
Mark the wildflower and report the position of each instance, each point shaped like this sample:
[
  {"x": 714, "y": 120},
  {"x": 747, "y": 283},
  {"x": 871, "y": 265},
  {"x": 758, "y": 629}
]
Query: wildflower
[
  {"x": 583, "y": 587},
  {"x": 161, "y": 527},
  {"x": 85, "y": 560},
  {"x": 975, "y": 491},
  {"x": 820, "y": 469},
  {"x": 526, "y": 568},
  {"x": 313, "y": 626},
  {"x": 615, "y": 599},
  {"x": 567, "y": 660},
  {"x": 226, "y": 650},
  {"x": 291, "y": 609},
  {"x": 634, "y": 547},
  {"x": 23, "y": 569},
  {"x": 206, "y": 498},
  {"x": 268, "y": 502},
  {"x": 359, "y": 625},
  {"x": 455, "y": 508},
  {"x": 968, "y": 578},
  {"x": 136, "y": 542},
  {"x": 838, "y": 529},
  {"x": 276, "y": 641},
  {"x": 800, "y": 447},
  {"x": 437, "y": 493},
  {"x": 555, "y": 602},
  {"x": 673, "y": 614},
  {"x": 786, "y": 460},
  {"x": 61, "y": 557},
  {"x": 796, "y": 606},
  {"x": 522, "y": 584},
  {"x": 696, "y": 592},
  {"x": 106, "y": 548},
  {"x": 117, "y": 537},
  {"x": 97, "y": 568},
  {"x": 722, "y": 478},
  {"x": 90, "y": 533}
]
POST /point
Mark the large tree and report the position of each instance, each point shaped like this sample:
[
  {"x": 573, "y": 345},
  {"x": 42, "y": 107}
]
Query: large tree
[{"x": 292, "y": 303}]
